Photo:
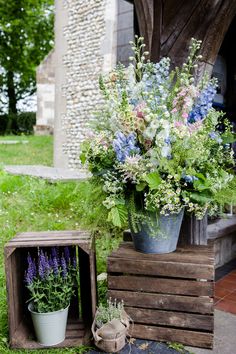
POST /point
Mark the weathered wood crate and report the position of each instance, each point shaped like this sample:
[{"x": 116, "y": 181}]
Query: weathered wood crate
[
  {"x": 82, "y": 309},
  {"x": 168, "y": 296}
]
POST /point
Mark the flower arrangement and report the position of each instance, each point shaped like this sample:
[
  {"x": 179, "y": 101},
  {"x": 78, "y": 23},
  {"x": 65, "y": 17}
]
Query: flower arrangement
[
  {"x": 157, "y": 146},
  {"x": 51, "y": 280}
]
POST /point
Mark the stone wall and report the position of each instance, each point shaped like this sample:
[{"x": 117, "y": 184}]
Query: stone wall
[
  {"x": 85, "y": 47},
  {"x": 45, "y": 95}
]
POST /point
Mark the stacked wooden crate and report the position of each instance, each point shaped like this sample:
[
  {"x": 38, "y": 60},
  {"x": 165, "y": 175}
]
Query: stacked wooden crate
[{"x": 168, "y": 296}]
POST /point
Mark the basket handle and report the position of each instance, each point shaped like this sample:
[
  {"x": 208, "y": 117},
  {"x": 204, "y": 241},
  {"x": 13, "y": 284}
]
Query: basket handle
[{"x": 95, "y": 336}]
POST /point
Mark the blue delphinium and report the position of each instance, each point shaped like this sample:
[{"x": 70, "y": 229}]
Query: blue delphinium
[
  {"x": 157, "y": 75},
  {"x": 203, "y": 104},
  {"x": 189, "y": 178},
  {"x": 125, "y": 146},
  {"x": 215, "y": 136}
]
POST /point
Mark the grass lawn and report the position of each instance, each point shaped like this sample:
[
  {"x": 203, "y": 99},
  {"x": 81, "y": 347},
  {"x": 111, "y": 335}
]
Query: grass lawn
[
  {"x": 30, "y": 204},
  {"x": 38, "y": 151}
]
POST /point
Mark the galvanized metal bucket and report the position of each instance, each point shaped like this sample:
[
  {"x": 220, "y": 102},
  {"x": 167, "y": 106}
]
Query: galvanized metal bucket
[
  {"x": 158, "y": 233},
  {"x": 50, "y": 328}
]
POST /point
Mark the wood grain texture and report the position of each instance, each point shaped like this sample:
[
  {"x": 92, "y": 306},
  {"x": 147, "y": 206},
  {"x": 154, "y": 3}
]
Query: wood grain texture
[
  {"x": 192, "y": 338},
  {"x": 160, "y": 285},
  {"x": 203, "y": 305},
  {"x": 168, "y": 296},
  {"x": 172, "y": 319},
  {"x": 161, "y": 268},
  {"x": 169, "y": 25}
]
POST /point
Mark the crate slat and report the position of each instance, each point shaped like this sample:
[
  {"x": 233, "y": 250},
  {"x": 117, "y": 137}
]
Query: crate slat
[
  {"x": 164, "y": 301},
  {"x": 161, "y": 268},
  {"x": 192, "y": 338},
  {"x": 169, "y": 318},
  {"x": 160, "y": 285}
]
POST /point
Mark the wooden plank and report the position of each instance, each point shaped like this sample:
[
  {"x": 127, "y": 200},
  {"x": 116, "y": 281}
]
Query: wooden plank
[
  {"x": 192, "y": 338},
  {"x": 53, "y": 238},
  {"x": 173, "y": 319},
  {"x": 161, "y": 268},
  {"x": 47, "y": 243},
  {"x": 93, "y": 280},
  {"x": 197, "y": 254},
  {"x": 193, "y": 231},
  {"x": 160, "y": 285},
  {"x": 23, "y": 338},
  {"x": 201, "y": 305},
  {"x": 58, "y": 233}
]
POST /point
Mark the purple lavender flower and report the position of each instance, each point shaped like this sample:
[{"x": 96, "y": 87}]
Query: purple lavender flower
[
  {"x": 43, "y": 266},
  {"x": 54, "y": 252},
  {"x": 63, "y": 267},
  {"x": 125, "y": 146},
  {"x": 74, "y": 262},
  {"x": 67, "y": 255},
  {"x": 54, "y": 266},
  {"x": 203, "y": 104},
  {"x": 31, "y": 271}
]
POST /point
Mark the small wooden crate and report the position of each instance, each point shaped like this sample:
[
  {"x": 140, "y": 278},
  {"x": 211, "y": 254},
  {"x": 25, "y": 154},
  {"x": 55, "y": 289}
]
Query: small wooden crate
[
  {"x": 79, "y": 321},
  {"x": 168, "y": 296}
]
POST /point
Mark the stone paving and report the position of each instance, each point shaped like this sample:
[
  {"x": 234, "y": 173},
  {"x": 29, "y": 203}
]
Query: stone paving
[
  {"x": 13, "y": 142},
  {"x": 50, "y": 173},
  {"x": 146, "y": 347},
  {"x": 224, "y": 338}
]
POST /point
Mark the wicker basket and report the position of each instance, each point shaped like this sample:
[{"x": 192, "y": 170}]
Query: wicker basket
[{"x": 111, "y": 336}]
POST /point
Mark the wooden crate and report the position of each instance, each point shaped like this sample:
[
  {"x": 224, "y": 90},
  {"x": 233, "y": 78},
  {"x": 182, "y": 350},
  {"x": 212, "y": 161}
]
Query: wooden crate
[
  {"x": 168, "y": 296},
  {"x": 82, "y": 309}
]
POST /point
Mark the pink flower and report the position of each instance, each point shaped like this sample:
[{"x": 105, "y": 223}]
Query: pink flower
[
  {"x": 185, "y": 115},
  {"x": 179, "y": 124}
]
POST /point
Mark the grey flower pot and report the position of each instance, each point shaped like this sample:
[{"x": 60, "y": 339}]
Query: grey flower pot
[
  {"x": 50, "y": 328},
  {"x": 158, "y": 234}
]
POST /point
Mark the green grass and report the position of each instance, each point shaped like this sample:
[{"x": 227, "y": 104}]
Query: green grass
[
  {"x": 30, "y": 204},
  {"x": 38, "y": 151}
]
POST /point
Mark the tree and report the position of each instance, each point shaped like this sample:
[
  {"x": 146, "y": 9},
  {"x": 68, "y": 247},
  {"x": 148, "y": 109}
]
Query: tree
[{"x": 26, "y": 37}]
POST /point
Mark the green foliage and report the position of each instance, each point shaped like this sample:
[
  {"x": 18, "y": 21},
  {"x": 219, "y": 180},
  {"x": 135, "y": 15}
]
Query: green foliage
[
  {"x": 178, "y": 347},
  {"x": 118, "y": 215},
  {"x": 21, "y": 123},
  {"x": 153, "y": 180},
  {"x": 26, "y": 37},
  {"x": 108, "y": 312}
]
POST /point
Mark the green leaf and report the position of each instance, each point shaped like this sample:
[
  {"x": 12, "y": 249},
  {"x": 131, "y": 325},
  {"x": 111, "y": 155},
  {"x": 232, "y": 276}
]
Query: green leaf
[
  {"x": 140, "y": 187},
  {"x": 118, "y": 215},
  {"x": 201, "y": 198},
  {"x": 83, "y": 158},
  {"x": 200, "y": 176},
  {"x": 228, "y": 137},
  {"x": 153, "y": 180}
]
